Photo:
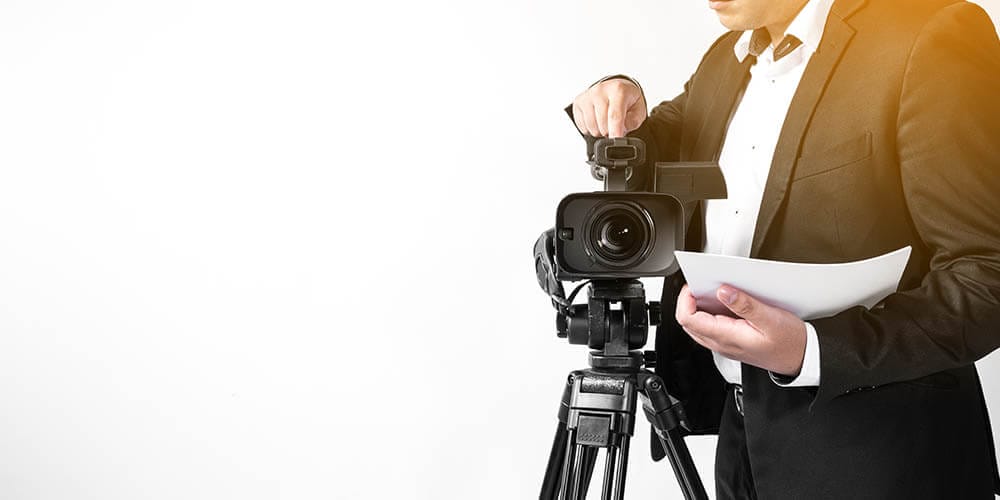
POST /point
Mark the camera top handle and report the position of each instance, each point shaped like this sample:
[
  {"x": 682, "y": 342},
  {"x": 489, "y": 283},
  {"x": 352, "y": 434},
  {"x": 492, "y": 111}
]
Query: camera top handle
[{"x": 612, "y": 160}]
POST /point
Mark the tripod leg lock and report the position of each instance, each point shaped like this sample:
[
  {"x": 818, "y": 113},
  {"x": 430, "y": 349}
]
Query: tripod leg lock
[{"x": 664, "y": 411}]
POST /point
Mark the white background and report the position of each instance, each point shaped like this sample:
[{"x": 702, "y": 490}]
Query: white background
[{"x": 268, "y": 249}]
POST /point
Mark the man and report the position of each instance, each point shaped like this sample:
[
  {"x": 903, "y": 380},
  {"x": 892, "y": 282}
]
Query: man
[{"x": 845, "y": 129}]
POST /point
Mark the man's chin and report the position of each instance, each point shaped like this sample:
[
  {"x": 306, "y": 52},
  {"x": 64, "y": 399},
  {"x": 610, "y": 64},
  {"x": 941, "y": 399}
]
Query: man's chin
[
  {"x": 733, "y": 23},
  {"x": 729, "y": 14}
]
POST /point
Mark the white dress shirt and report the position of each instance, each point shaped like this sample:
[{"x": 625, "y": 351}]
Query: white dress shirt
[{"x": 746, "y": 159}]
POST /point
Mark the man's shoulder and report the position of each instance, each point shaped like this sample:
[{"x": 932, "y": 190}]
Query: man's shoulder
[
  {"x": 912, "y": 8},
  {"x": 889, "y": 29},
  {"x": 892, "y": 16}
]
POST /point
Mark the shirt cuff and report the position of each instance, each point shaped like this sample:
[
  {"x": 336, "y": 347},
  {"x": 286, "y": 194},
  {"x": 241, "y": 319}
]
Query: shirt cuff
[{"x": 809, "y": 375}]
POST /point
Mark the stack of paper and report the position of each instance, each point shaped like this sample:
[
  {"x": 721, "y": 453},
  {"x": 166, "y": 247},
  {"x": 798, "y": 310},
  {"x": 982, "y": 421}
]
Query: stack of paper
[{"x": 807, "y": 290}]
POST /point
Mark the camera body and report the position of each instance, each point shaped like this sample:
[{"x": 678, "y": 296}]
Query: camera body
[{"x": 608, "y": 234}]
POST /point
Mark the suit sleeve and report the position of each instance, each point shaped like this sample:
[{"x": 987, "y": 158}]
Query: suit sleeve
[
  {"x": 662, "y": 133},
  {"x": 948, "y": 140}
]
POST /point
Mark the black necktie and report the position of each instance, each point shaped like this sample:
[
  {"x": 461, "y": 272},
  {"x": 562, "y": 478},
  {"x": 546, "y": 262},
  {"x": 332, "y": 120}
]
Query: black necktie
[{"x": 761, "y": 39}]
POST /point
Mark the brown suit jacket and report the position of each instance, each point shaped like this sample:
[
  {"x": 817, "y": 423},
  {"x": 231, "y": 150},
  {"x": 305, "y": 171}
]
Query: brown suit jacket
[{"x": 892, "y": 139}]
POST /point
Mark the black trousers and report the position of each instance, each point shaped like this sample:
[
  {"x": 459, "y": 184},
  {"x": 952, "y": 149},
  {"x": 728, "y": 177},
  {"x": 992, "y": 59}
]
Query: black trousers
[{"x": 733, "y": 475}]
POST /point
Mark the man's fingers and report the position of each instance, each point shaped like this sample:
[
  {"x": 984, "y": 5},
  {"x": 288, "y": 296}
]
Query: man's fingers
[
  {"x": 708, "y": 325},
  {"x": 686, "y": 305},
  {"x": 733, "y": 338},
  {"x": 696, "y": 323},
  {"x": 703, "y": 341},
  {"x": 690, "y": 318},
  {"x": 589, "y": 121},
  {"x": 601, "y": 117},
  {"x": 616, "y": 128},
  {"x": 616, "y": 115},
  {"x": 578, "y": 119},
  {"x": 719, "y": 337}
]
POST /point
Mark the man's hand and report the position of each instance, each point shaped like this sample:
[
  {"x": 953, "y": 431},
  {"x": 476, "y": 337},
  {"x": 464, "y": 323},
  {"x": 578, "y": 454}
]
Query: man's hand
[
  {"x": 764, "y": 336},
  {"x": 611, "y": 108}
]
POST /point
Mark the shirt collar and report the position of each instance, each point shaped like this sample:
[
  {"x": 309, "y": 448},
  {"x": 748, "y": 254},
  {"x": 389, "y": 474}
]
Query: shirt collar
[{"x": 807, "y": 26}]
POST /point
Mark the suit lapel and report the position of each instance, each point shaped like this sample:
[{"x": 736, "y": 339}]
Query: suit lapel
[
  {"x": 708, "y": 141},
  {"x": 732, "y": 81},
  {"x": 836, "y": 36}
]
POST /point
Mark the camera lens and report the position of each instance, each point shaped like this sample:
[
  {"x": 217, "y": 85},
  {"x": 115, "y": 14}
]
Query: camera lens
[{"x": 619, "y": 235}]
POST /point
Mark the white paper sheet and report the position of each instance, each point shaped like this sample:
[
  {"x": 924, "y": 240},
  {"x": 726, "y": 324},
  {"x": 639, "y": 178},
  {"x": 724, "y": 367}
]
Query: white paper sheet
[{"x": 807, "y": 290}]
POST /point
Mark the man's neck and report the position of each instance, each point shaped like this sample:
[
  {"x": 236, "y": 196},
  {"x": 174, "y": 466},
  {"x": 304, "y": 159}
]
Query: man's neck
[{"x": 777, "y": 30}]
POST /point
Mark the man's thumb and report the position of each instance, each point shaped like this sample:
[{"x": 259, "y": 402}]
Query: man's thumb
[{"x": 741, "y": 303}]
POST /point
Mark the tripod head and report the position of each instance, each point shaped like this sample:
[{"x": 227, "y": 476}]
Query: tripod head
[{"x": 614, "y": 321}]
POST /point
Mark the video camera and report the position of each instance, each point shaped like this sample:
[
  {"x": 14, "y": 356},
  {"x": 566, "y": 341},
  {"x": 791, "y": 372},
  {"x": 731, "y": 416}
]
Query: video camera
[{"x": 621, "y": 234}]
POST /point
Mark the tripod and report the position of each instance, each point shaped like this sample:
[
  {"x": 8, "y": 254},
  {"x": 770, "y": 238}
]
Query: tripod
[{"x": 598, "y": 404}]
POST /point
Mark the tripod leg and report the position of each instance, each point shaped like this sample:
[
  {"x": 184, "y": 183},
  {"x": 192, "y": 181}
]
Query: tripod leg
[
  {"x": 683, "y": 465},
  {"x": 557, "y": 457},
  {"x": 579, "y": 474},
  {"x": 577, "y": 470},
  {"x": 589, "y": 461},
  {"x": 566, "y": 478},
  {"x": 622, "y": 468},
  {"x": 609, "y": 473}
]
